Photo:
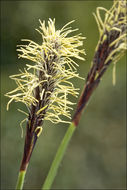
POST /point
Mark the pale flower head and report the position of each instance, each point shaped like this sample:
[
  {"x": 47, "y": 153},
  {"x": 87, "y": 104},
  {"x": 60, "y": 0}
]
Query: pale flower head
[
  {"x": 44, "y": 85},
  {"x": 113, "y": 30}
]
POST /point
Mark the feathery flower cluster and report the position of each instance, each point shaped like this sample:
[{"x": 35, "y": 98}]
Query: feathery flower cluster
[
  {"x": 44, "y": 85},
  {"x": 113, "y": 33}
]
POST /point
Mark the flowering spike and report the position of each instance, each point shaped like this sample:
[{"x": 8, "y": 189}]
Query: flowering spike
[
  {"x": 110, "y": 48},
  {"x": 44, "y": 85}
]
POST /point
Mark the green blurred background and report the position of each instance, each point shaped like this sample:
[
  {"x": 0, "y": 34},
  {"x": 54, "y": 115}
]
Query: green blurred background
[{"x": 95, "y": 158}]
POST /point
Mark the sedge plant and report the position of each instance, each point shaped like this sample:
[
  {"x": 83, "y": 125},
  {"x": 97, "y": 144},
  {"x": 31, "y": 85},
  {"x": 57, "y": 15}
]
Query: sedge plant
[{"x": 44, "y": 84}]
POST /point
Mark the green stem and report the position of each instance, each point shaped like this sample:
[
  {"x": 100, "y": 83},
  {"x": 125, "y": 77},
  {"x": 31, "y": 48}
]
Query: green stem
[
  {"x": 20, "y": 180},
  {"x": 59, "y": 155}
]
